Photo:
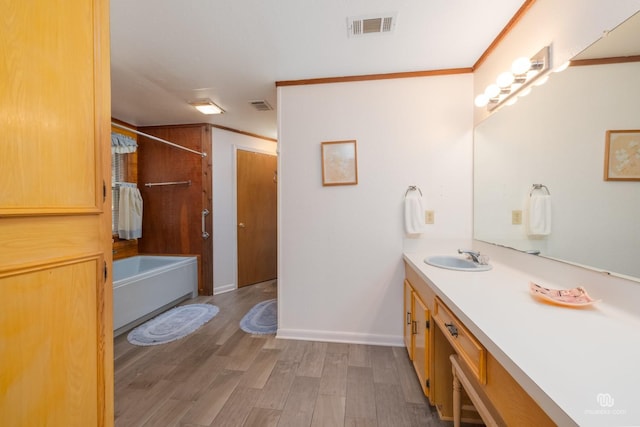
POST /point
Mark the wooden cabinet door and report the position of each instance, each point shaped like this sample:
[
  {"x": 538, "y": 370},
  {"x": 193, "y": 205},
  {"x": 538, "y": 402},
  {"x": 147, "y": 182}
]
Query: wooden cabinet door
[
  {"x": 56, "y": 343},
  {"x": 421, "y": 342},
  {"x": 408, "y": 318}
]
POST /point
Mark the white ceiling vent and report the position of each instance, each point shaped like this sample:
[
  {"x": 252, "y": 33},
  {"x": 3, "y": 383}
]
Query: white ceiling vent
[
  {"x": 372, "y": 24},
  {"x": 261, "y": 105}
]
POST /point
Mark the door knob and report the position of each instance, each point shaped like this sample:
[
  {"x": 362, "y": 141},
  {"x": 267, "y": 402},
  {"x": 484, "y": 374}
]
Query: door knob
[{"x": 241, "y": 225}]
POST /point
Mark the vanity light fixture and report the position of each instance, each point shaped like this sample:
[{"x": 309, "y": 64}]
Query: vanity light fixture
[
  {"x": 524, "y": 71},
  {"x": 206, "y": 106}
]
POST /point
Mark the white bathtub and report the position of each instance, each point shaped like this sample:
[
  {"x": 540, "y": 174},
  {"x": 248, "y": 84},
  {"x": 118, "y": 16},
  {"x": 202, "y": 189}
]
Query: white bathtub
[{"x": 144, "y": 286}]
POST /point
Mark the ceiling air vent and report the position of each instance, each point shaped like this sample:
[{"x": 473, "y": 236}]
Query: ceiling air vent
[
  {"x": 261, "y": 105},
  {"x": 361, "y": 25}
]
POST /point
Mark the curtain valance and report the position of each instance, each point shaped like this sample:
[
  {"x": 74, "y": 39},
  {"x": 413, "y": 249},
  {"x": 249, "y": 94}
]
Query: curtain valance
[{"x": 121, "y": 144}]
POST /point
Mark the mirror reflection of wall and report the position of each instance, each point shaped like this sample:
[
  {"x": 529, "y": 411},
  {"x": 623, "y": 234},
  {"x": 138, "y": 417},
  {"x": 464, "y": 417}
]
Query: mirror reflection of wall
[{"x": 556, "y": 136}]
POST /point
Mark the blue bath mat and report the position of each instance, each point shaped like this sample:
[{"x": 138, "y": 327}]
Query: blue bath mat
[
  {"x": 173, "y": 324},
  {"x": 262, "y": 319}
]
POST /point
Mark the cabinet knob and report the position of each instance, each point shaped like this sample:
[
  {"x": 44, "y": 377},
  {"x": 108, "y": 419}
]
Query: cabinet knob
[{"x": 241, "y": 225}]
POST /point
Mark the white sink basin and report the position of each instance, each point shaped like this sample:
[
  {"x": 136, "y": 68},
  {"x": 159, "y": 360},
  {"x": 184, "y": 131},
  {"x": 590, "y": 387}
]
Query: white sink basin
[{"x": 451, "y": 262}]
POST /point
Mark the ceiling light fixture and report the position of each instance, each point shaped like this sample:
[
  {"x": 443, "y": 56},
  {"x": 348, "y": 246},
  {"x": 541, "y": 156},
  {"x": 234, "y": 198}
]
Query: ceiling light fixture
[
  {"x": 524, "y": 71},
  {"x": 206, "y": 106}
]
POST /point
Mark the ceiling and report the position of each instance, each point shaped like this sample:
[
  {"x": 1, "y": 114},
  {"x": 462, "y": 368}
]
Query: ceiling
[{"x": 165, "y": 53}]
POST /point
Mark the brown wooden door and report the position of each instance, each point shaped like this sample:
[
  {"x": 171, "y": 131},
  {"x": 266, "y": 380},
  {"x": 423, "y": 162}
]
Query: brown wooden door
[
  {"x": 172, "y": 214},
  {"x": 56, "y": 337},
  {"x": 257, "y": 217}
]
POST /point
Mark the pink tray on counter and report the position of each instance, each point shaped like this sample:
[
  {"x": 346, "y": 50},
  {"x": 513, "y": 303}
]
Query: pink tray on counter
[{"x": 576, "y": 297}]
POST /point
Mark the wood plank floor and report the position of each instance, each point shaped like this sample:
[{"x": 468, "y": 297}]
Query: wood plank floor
[{"x": 221, "y": 376}]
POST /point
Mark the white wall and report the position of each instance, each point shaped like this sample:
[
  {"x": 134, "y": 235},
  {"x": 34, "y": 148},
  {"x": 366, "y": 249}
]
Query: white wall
[
  {"x": 225, "y": 247},
  {"x": 340, "y": 255}
]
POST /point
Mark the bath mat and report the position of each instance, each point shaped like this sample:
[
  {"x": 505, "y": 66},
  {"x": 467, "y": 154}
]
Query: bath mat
[
  {"x": 262, "y": 319},
  {"x": 173, "y": 324}
]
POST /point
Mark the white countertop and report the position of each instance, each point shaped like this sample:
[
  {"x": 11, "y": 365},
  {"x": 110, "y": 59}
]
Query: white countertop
[{"x": 565, "y": 358}]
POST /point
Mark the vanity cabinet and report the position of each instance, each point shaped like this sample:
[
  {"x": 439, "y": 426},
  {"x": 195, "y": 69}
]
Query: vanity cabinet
[
  {"x": 447, "y": 336},
  {"x": 463, "y": 342},
  {"x": 417, "y": 334}
]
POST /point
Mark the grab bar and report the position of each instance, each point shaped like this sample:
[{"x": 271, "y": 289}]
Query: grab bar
[{"x": 205, "y": 235}]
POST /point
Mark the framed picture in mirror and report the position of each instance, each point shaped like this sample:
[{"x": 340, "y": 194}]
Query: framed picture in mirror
[
  {"x": 622, "y": 155},
  {"x": 339, "y": 163}
]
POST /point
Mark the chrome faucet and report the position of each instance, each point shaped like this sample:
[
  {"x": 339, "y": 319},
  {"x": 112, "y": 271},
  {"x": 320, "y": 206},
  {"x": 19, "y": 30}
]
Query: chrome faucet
[{"x": 475, "y": 256}]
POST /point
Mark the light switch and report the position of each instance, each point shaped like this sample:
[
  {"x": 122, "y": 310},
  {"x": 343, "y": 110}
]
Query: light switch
[
  {"x": 429, "y": 217},
  {"x": 516, "y": 217}
]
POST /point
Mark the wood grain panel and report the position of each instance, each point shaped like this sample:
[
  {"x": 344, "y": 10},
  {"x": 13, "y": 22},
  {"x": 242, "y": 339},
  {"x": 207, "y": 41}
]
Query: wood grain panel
[
  {"x": 56, "y": 345},
  {"x": 408, "y": 316},
  {"x": 172, "y": 218},
  {"x": 49, "y": 341},
  {"x": 48, "y": 166},
  {"x": 125, "y": 249},
  {"x": 27, "y": 241},
  {"x": 509, "y": 398}
]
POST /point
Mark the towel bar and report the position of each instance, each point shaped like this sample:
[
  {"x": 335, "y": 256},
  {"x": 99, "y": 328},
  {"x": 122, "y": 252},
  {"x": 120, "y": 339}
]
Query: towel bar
[
  {"x": 535, "y": 187},
  {"x": 412, "y": 188},
  {"x": 155, "y": 184}
]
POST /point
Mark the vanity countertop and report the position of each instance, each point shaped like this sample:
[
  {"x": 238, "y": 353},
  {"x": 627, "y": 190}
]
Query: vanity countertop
[{"x": 581, "y": 365}]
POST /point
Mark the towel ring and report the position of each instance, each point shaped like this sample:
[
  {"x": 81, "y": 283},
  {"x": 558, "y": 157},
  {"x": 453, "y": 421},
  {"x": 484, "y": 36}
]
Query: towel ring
[
  {"x": 535, "y": 187},
  {"x": 413, "y": 188}
]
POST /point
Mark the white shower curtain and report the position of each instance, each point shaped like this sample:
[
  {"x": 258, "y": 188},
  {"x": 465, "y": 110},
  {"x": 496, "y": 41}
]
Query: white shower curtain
[{"x": 130, "y": 213}]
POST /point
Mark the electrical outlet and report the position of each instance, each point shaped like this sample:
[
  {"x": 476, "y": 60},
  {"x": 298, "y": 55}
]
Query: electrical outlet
[
  {"x": 429, "y": 217},
  {"x": 516, "y": 217}
]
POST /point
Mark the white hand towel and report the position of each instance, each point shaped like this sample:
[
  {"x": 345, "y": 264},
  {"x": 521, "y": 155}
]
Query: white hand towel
[
  {"x": 130, "y": 213},
  {"x": 539, "y": 221},
  {"x": 413, "y": 213}
]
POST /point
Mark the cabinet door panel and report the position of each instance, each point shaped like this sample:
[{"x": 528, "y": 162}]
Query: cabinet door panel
[
  {"x": 421, "y": 342},
  {"x": 408, "y": 318},
  {"x": 49, "y": 151}
]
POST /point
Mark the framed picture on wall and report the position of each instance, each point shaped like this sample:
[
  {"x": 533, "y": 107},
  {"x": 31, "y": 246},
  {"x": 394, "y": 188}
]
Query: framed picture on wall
[
  {"x": 622, "y": 155},
  {"x": 339, "y": 163}
]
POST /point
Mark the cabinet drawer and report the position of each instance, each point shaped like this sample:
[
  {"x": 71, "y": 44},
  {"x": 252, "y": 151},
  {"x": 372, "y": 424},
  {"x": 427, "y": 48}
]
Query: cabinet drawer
[{"x": 465, "y": 344}]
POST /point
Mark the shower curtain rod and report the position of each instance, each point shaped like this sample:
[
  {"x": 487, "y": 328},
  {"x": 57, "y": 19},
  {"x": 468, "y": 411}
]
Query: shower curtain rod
[{"x": 158, "y": 139}]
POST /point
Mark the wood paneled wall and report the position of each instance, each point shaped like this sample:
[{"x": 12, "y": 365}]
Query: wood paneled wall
[{"x": 172, "y": 219}]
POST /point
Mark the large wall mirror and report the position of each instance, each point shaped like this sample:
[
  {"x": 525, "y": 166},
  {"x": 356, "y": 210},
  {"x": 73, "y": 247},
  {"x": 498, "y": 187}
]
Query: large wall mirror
[{"x": 556, "y": 136}]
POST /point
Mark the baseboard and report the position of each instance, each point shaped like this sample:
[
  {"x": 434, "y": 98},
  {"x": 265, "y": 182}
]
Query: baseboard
[
  {"x": 224, "y": 288},
  {"x": 342, "y": 337}
]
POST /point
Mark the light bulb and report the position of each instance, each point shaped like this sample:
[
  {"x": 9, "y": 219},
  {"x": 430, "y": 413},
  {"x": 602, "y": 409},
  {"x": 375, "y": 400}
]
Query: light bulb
[
  {"x": 563, "y": 67},
  {"x": 505, "y": 79},
  {"x": 481, "y": 100},
  {"x": 511, "y": 101},
  {"x": 492, "y": 90},
  {"x": 521, "y": 65}
]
